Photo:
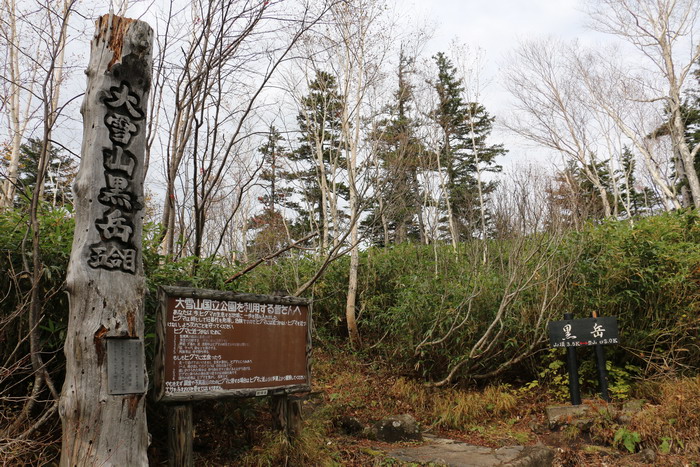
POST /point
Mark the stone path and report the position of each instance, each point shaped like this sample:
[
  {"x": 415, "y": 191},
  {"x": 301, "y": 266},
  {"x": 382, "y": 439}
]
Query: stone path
[{"x": 458, "y": 454}]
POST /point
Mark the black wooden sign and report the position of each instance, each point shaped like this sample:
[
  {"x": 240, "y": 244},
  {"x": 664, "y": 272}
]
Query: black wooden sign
[{"x": 582, "y": 332}]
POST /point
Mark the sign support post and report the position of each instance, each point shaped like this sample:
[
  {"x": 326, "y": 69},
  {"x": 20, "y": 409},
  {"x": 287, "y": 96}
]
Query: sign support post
[
  {"x": 572, "y": 366},
  {"x": 180, "y": 435},
  {"x": 286, "y": 415},
  {"x": 602, "y": 372}
]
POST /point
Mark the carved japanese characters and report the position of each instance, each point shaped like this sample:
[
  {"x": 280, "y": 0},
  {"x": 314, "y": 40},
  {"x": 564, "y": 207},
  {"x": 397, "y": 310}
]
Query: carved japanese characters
[{"x": 116, "y": 250}]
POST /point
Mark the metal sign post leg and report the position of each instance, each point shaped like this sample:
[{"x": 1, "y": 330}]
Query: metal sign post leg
[
  {"x": 572, "y": 366},
  {"x": 602, "y": 373}
]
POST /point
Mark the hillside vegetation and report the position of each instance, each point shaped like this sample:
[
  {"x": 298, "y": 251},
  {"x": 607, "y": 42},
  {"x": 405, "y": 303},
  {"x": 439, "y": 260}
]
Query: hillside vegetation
[
  {"x": 473, "y": 316},
  {"x": 423, "y": 307}
]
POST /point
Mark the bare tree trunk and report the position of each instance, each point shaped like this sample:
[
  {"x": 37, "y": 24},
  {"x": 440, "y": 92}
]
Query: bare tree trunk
[
  {"x": 686, "y": 196},
  {"x": 17, "y": 82},
  {"x": 351, "y": 304},
  {"x": 8, "y": 192},
  {"x": 50, "y": 91},
  {"x": 353, "y": 143},
  {"x": 324, "y": 211},
  {"x": 103, "y": 426},
  {"x": 419, "y": 207},
  {"x": 56, "y": 78},
  {"x": 445, "y": 193}
]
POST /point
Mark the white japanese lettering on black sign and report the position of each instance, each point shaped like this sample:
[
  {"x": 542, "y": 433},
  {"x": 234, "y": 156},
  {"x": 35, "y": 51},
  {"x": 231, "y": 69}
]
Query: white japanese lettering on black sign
[{"x": 583, "y": 332}]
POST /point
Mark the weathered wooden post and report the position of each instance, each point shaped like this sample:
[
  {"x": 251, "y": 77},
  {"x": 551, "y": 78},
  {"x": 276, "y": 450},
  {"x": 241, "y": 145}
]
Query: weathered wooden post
[
  {"x": 286, "y": 415},
  {"x": 180, "y": 433},
  {"x": 102, "y": 404}
]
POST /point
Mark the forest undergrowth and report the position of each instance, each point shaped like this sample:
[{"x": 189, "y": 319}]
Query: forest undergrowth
[
  {"x": 346, "y": 387},
  {"x": 456, "y": 341}
]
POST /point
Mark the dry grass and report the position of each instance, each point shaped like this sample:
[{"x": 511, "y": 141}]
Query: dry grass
[
  {"x": 671, "y": 420},
  {"x": 43, "y": 448},
  {"x": 668, "y": 423},
  {"x": 456, "y": 409},
  {"x": 275, "y": 450},
  {"x": 353, "y": 390}
]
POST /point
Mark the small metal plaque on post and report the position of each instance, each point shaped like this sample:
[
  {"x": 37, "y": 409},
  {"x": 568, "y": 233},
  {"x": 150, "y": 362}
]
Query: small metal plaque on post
[{"x": 125, "y": 366}]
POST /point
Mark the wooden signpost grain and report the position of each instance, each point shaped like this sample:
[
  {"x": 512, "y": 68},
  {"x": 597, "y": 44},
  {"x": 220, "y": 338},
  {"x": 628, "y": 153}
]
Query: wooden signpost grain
[{"x": 102, "y": 403}]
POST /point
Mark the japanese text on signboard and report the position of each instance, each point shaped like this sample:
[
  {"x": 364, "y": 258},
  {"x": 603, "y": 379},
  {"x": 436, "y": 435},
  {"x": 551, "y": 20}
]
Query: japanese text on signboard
[
  {"x": 211, "y": 344},
  {"x": 583, "y": 332}
]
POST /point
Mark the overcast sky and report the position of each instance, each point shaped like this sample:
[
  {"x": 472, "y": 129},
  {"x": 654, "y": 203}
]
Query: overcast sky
[{"x": 496, "y": 27}]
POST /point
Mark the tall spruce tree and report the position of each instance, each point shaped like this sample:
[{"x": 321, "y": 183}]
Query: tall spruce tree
[
  {"x": 397, "y": 216},
  {"x": 320, "y": 159},
  {"x": 270, "y": 222},
  {"x": 636, "y": 200},
  {"x": 479, "y": 159},
  {"x": 464, "y": 152},
  {"x": 274, "y": 171}
]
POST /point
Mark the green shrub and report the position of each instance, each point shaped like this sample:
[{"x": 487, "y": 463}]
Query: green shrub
[
  {"x": 648, "y": 275},
  {"x": 56, "y": 233}
]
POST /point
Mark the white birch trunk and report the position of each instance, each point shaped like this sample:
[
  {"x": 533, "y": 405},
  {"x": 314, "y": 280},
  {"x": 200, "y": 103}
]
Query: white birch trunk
[
  {"x": 324, "y": 211},
  {"x": 17, "y": 119},
  {"x": 353, "y": 141},
  {"x": 445, "y": 193},
  {"x": 105, "y": 274}
]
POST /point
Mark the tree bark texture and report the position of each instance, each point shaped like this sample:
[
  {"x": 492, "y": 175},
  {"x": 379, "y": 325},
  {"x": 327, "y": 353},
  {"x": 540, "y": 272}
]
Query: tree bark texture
[{"x": 105, "y": 275}]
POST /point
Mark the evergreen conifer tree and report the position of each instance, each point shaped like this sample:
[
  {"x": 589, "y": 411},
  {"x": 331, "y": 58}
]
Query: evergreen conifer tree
[
  {"x": 60, "y": 172},
  {"x": 398, "y": 217},
  {"x": 320, "y": 159},
  {"x": 270, "y": 223},
  {"x": 273, "y": 172},
  {"x": 464, "y": 151},
  {"x": 635, "y": 201}
]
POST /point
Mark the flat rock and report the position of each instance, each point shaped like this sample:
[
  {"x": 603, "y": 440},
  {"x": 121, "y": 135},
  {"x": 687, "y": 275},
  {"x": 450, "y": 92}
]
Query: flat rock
[
  {"x": 647, "y": 456},
  {"x": 457, "y": 454},
  {"x": 633, "y": 406},
  {"x": 558, "y": 415},
  {"x": 400, "y": 428},
  {"x": 582, "y": 415}
]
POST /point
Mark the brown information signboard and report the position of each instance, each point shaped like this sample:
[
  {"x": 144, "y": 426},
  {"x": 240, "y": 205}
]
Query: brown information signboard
[{"x": 213, "y": 344}]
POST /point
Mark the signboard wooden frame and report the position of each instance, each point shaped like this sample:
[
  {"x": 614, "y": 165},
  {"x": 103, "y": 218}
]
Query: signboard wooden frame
[{"x": 266, "y": 326}]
